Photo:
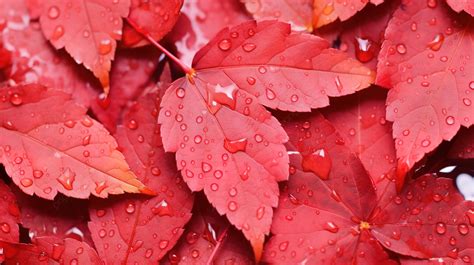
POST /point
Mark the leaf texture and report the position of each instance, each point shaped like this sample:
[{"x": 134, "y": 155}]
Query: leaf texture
[{"x": 10, "y": 215}]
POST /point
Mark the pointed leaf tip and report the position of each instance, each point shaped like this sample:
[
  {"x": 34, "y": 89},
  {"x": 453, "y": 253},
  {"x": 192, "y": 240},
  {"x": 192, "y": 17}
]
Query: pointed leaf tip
[
  {"x": 257, "y": 246},
  {"x": 147, "y": 191}
]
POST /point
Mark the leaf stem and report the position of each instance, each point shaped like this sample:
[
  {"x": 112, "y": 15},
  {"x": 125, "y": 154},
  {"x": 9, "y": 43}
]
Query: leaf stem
[
  {"x": 220, "y": 241},
  {"x": 188, "y": 70}
]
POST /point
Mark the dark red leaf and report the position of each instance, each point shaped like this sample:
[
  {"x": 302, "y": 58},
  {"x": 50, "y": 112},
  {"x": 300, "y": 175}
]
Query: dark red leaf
[
  {"x": 9, "y": 215},
  {"x": 140, "y": 229},
  {"x": 462, "y": 5},
  {"x": 210, "y": 239},
  {"x": 130, "y": 75},
  {"x": 360, "y": 120},
  {"x": 463, "y": 145},
  {"x": 88, "y": 30},
  {"x": 50, "y": 145},
  {"x": 425, "y": 59},
  {"x": 464, "y": 257},
  {"x": 49, "y": 251},
  {"x": 156, "y": 17},
  {"x": 200, "y": 20}
]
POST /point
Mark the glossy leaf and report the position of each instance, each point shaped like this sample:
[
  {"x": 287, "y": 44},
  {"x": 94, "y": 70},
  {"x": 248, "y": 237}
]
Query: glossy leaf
[
  {"x": 49, "y": 145},
  {"x": 337, "y": 219},
  {"x": 156, "y": 17},
  {"x": 142, "y": 229},
  {"x": 462, "y": 5},
  {"x": 9, "y": 215},
  {"x": 426, "y": 59},
  {"x": 50, "y": 251},
  {"x": 88, "y": 30},
  {"x": 210, "y": 239}
]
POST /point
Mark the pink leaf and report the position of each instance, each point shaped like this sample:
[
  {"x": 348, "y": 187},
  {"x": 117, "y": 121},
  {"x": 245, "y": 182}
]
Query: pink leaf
[
  {"x": 145, "y": 229},
  {"x": 327, "y": 11},
  {"x": 424, "y": 59},
  {"x": 50, "y": 146},
  {"x": 462, "y": 5},
  {"x": 87, "y": 29}
]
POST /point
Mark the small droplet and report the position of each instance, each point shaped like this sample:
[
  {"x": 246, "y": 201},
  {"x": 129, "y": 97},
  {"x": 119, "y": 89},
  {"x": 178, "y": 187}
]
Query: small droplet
[
  {"x": 471, "y": 85},
  {"x": 260, "y": 212},
  {"x": 26, "y": 182},
  {"x": 163, "y": 244},
  {"x": 195, "y": 253},
  {"x": 105, "y": 46},
  {"x": 251, "y": 80},
  {"x": 180, "y": 93},
  {"x": 463, "y": 229},
  {"x": 248, "y": 47},
  {"x": 132, "y": 124},
  {"x": 450, "y": 120},
  {"x": 318, "y": 162},
  {"x": 15, "y": 99},
  {"x": 232, "y": 206},
  {"x": 401, "y": 49},
  {"x": 262, "y": 69},
  {"x": 53, "y": 12},
  {"x": 283, "y": 245},
  {"x": 432, "y": 3},
  {"x": 5, "y": 227},
  {"x": 437, "y": 42},
  {"x": 440, "y": 228},
  {"x": 225, "y": 44},
  {"x": 130, "y": 208},
  {"x": 206, "y": 167},
  {"x": 57, "y": 33},
  {"x": 214, "y": 187},
  {"x": 270, "y": 94},
  {"x": 425, "y": 143}
]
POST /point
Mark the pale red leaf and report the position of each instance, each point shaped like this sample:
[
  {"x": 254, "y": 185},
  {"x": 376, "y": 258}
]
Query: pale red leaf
[
  {"x": 62, "y": 218},
  {"x": 298, "y": 13},
  {"x": 462, "y": 5},
  {"x": 463, "y": 145},
  {"x": 360, "y": 120},
  {"x": 210, "y": 239},
  {"x": 49, "y": 251},
  {"x": 139, "y": 229},
  {"x": 327, "y": 11},
  {"x": 33, "y": 60},
  {"x": 9, "y": 214},
  {"x": 88, "y": 30},
  {"x": 362, "y": 35},
  {"x": 131, "y": 73},
  {"x": 285, "y": 70},
  {"x": 50, "y": 146},
  {"x": 156, "y": 17},
  {"x": 200, "y": 20},
  {"x": 426, "y": 59}
]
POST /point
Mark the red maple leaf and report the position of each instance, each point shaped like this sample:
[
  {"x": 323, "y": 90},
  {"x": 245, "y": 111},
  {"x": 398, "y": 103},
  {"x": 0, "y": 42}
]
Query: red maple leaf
[
  {"x": 10, "y": 215},
  {"x": 339, "y": 220},
  {"x": 462, "y": 5},
  {"x": 50, "y": 145},
  {"x": 424, "y": 59}
]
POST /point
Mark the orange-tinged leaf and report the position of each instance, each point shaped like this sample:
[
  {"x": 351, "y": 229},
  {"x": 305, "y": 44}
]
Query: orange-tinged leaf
[
  {"x": 88, "y": 30},
  {"x": 145, "y": 229},
  {"x": 49, "y": 145},
  {"x": 426, "y": 58}
]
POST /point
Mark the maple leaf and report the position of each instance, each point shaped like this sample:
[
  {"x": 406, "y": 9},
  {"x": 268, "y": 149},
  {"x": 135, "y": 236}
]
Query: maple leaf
[
  {"x": 338, "y": 219},
  {"x": 223, "y": 137},
  {"x": 10, "y": 215},
  {"x": 306, "y": 14},
  {"x": 145, "y": 229},
  {"x": 462, "y": 5},
  {"x": 50, "y": 145},
  {"x": 62, "y": 218},
  {"x": 210, "y": 239},
  {"x": 424, "y": 59},
  {"x": 130, "y": 74},
  {"x": 157, "y": 17},
  {"x": 87, "y": 29},
  {"x": 360, "y": 121},
  {"x": 199, "y": 21},
  {"x": 463, "y": 145},
  {"x": 49, "y": 251}
]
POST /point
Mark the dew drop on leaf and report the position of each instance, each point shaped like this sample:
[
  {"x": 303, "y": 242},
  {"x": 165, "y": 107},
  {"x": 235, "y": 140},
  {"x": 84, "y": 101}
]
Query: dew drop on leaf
[
  {"x": 248, "y": 47},
  {"x": 364, "y": 49},
  {"x": 463, "y": 229},
  {"x": 318, "y": 162},
  {"x": 234, "y": 146},
  {"x": 331, "y": 227},
  {"x": 440, "y": 228},
  {"x": 26, "y": 182},
  {"x": 401, "y": 48},
  {"x": 15, "y": 99},
  {"x": 5, "y": 227},
  {"x": 162, "y": 208},
  {"x": 225, "y": 44},
  {"x": 437, "y": 42},
  {"x": 105, "y": 46},
  {"x": 130, "y": 208},
  {"x": 232, "y": 206},
  {"x": 53, "y": 12}
]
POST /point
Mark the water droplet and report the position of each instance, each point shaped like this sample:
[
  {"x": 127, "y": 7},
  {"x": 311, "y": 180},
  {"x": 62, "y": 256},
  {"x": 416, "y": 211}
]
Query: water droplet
[
  {"x": 262, "y": 69},
  {"x": 105, "y": 46},
  {"x": 206, "y": 167},
  {"x": 471, "y": 85},
  {"x": 232, "y": 206},
  {"x": 86, "y": 140},
  {"x": 18, "y": 160},
  {"x": 248, "y": 47},
  {"x": 365, "y": 49},
  {"x": 100, "y": 213},
  {"x": 440, "y": 228},
  {"x": 26, "y": 182},
  {"x": 260, "y": 212},
  {"x": 218, "y": 95},
  {"x": 338, "y": 83},
  {"x": 162, "y": 208},
  {"x": 132, "y": 124},
  {"x": 432, "y": 3},
  {"x": 437, "y": 42},
  {"x": 450, "y": 120},
  {"x": 235, "y": 145},
  {"x": 218, "y": 174},
  {"x": 331, "y": 227},
  {"x": 318, "y": 162},
  {"x": 466, "y": 101},
  {"x": 225, "y": 44},
  {"x": 53, "y": 12},
  {"x": 283, "y": 245},
  {"x": 401, "y": 49},
  {"x": 251, "y": 80},
  {"x": 163, "y": 244},
  {"x": 15, "y": 99},
  {"x": 470, "y": 216},
  {"x": 70, "y": 123},
  {"x": 130, "y": 208},
  {"x": 214, "y": 187},
  {"x": 270, "y": 94},
  {"x": 463, "y": 229},
  {"x": 67, "y": 179},
  {"x": 100, "y": 186},
  {"x": 180, "y": 92},
  {"x": 192, "y": 237},
  {"x": 425, "y": 143},
  {"x": 37, "y": 174},
  {"x": 102, "y": 233},
  {"x": 195, "y": 253},
  {"x": 57, "y": 33},
  {"x": 5, "y": 227},
  {"x": 294, "y": 98}
]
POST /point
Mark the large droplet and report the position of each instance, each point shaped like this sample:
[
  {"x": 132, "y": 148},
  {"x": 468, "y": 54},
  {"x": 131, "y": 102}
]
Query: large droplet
[
  {"x": 225, "y": 44},
  {"x": 364, "y": 49},
  {"x": 318, "y": 162},
  {"x": 218, "y": 95},
  {"x": 463, "y": 229},
  {"x": 15, "y": 99},
  {"x": 26, "y": 182},
  {"x": 105, "y": 46},
  {"x": 67, "y": 179},
  {"x": 130, "y": 208},
  {"x": 440, "y": 228},
  {"x": 162, "y": 208},
  {"x": 234, "y": 146},
  {"x": 270, "y": 94},
  {"x": 437, "y": 42},
  {"x": 331, "y": 227}
]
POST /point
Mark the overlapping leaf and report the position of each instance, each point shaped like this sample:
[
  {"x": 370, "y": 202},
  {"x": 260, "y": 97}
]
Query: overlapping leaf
[
  {"x": 87, "y": 29},
  {"x": 427, "y": 59},
  {"x": 156, "y": 17},
  {"x": 142, "y": 230},
  {"x": 462, "y": 5},
  {"x": 463, "y": 145},
  {"x": 50, "y": 145},
  {"x": 337, "y": 220},
  {"x": 9, "y": 215}
]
